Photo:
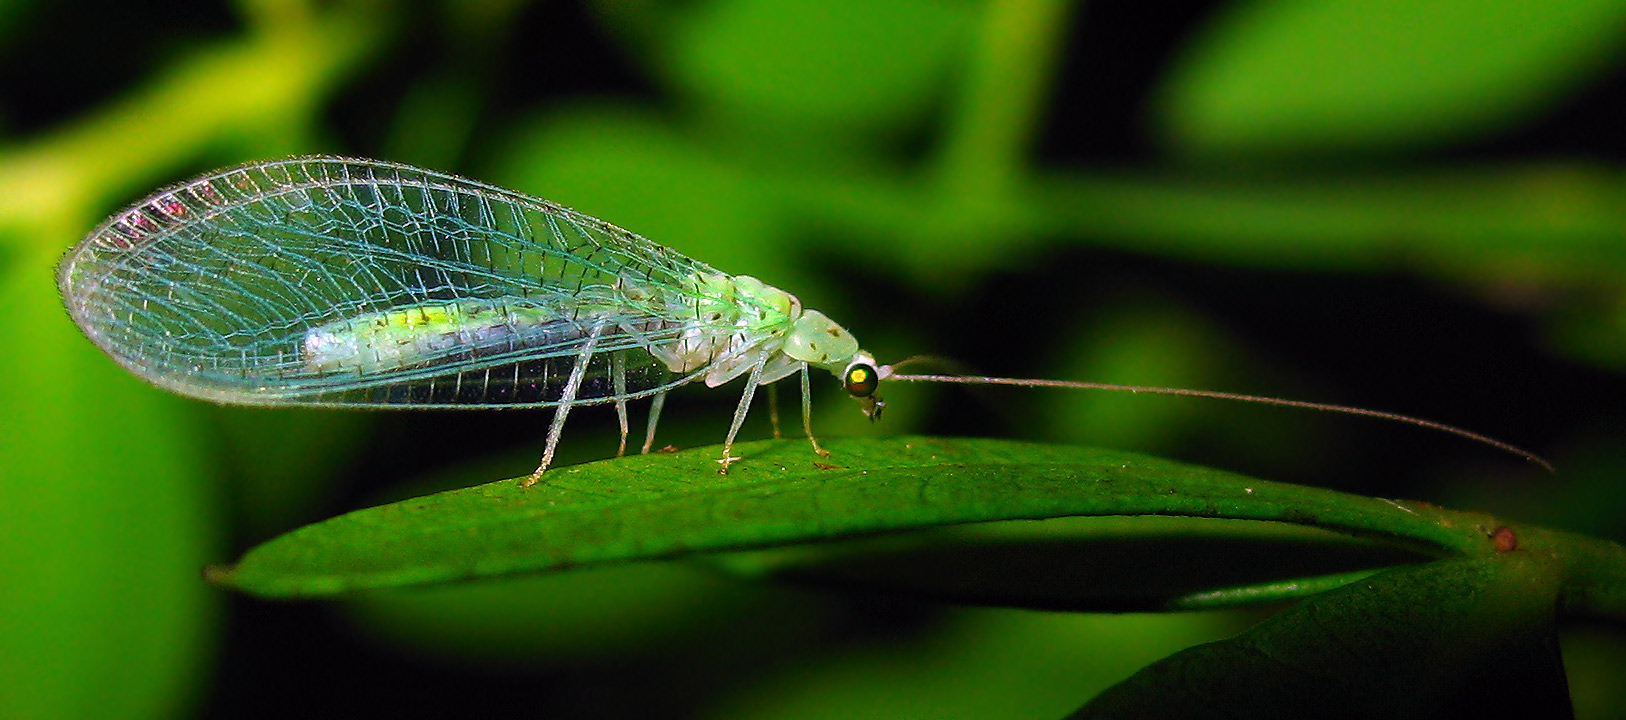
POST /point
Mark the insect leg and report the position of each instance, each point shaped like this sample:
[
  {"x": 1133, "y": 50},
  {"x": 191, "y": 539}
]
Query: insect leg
[
  {"x": 566, "y": 399},
  {"x": 807, "y": 413},
  {"x": 654, "y": 417},
  {"x": 618, "y": 375},
  {"x": 773, "y": 408},
  {"x": 739, "y": 413}
]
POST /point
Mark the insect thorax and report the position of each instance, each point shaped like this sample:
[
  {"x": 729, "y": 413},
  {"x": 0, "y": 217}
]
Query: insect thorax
[
  {"x": 744, "y": 321},
  {"x": 728, "y": 324}
]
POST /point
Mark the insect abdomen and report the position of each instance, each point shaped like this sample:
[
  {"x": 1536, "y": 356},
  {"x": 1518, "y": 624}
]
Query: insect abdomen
[{"x": 422, "y": 335}]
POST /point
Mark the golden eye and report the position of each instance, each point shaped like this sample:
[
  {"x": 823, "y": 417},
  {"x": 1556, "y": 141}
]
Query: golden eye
[{"x": 861, "y": 380}]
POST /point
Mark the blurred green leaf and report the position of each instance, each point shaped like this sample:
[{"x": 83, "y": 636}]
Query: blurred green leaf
[
  {"x": 656, "y": 506},
  {"x": 107, "y": 503},
  {"x": 608, "y": 614},
  {"x": 105, "y": 517},
  {"x": 1594, "y": 657},
  {"x": 1134, "y": 340},
  {"x": 1553, "y": 223},
  {"x": 622, "y": 166},
  {"x": 1290, "y": 77},
  {"x": 1542, "y": 239},
  {"x": 835, "y": 65},
  {"x": 982, "y": 664},
  {"x": 284, "y": 462},
  {"x": 9, "y": 14},
  {"x": 1462, "y": 638},
  {"x": 256, "y": 90}
]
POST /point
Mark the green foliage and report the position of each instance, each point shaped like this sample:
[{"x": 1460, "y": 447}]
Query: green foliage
[
  {"x": 1453, "y": 638},
  {"x": 1306, "y": 78},
  {"x": 939, "y": 177},
  {"x": 661, "y": 505},
  {"x": 1411, "y": 610}
]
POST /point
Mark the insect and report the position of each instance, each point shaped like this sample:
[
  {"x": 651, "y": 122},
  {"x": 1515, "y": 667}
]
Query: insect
[{"x": 337, "y": 282}]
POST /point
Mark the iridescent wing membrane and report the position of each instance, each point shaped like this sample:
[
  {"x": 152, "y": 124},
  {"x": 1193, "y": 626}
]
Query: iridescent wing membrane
[{"x": 330, "y": 281}]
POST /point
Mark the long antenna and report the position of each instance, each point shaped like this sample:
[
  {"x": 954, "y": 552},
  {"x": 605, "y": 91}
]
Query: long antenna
[{"x": 1262, "y": 400}]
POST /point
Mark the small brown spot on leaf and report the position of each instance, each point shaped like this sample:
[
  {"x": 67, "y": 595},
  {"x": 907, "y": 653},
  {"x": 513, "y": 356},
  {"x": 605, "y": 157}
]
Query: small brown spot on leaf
[{"x": 1504, "y": 539}]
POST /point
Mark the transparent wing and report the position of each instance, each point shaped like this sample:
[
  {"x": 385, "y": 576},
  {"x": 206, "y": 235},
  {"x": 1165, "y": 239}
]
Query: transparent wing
[{"x": 332, "y": 281}]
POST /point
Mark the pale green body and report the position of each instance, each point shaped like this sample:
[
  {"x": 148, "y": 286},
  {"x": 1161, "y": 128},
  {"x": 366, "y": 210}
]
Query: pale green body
[{"x": 746, "y": 322}]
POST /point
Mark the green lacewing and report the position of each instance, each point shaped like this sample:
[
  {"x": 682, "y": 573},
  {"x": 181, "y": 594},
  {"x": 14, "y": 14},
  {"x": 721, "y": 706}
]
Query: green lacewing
[{"x": 339, "y": 282}]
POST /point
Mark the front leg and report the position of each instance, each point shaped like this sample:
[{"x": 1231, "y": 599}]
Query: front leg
[
  {"x": 739, "y": 413},
  {"x": 807, "y": 413}
]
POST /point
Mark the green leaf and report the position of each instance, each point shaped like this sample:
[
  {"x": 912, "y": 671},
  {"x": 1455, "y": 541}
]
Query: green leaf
[
  {"x": 1295, "y": 77},
  {"x": 830, "y": 65},
  {"x": 973, "y": 663},
  {"x": 659, "y": 506},
  {"x": 620, "y": 165},
  {"x": 1114, "y": 564},
  {"x": 607, "y": 615},
  {"x": 106, "y": 512},
  {"x": 1460, "y": 638}
]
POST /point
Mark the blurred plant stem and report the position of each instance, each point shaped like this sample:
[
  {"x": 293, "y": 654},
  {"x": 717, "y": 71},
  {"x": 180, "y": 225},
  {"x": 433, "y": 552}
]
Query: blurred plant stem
[
  {"x": 262, "y": 88},
  {"x": 1007, "y": 77}
]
